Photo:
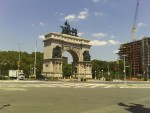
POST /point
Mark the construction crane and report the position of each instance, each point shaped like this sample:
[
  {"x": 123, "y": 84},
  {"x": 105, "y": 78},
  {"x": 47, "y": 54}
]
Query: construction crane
[{"x": 133, "y": 29}]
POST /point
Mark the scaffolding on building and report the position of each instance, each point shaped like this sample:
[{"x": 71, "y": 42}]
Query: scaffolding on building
[{"x": 138, "y": 55}]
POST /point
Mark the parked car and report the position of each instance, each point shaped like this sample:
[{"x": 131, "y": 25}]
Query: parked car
[{"x": 41, "y": 77}]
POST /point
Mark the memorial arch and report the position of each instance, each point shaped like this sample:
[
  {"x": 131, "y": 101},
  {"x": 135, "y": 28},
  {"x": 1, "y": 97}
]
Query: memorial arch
[{"x": 54, "y": 46}]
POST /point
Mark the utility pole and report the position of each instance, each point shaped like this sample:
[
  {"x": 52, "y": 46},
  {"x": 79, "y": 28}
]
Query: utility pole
[
  {"x": 19, "y": 59},
  {"x": 35, "y": 59},
  {"x": 19, "y": 56}
]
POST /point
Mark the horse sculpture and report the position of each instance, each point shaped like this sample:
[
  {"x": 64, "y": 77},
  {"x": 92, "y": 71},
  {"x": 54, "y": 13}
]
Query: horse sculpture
[
  {"x": 73, "y": 32},
  {"x": 86, "y": 55},
  {"x": 67, "y": 30}
]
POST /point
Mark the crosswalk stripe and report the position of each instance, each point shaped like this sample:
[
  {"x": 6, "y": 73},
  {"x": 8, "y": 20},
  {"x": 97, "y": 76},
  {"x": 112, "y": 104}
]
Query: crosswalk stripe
[{"x": 69, "y": 85}]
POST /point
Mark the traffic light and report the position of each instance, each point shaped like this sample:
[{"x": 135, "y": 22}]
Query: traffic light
[{"x": 117, "y": 62}]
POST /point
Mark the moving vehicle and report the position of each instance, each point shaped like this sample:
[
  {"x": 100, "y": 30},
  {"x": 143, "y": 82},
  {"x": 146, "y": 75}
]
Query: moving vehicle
[{"x": 16, "y": 74}]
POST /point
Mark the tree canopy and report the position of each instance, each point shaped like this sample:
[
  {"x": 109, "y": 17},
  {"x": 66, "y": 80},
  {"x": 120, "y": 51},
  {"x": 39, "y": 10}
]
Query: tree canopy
[
  {"x": 109, "y": 69},
  {"x": 9, "y": 61}
]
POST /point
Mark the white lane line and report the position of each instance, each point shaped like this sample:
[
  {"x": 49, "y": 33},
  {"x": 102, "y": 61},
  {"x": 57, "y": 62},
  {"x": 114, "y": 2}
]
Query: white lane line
[{"x": 108, "y": 86}]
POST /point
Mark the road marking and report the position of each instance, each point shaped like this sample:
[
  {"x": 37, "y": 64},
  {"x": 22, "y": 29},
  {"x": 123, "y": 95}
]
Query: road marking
[
  {"x": 108, "y": 86},
  {"x": 71, "y": 85}
]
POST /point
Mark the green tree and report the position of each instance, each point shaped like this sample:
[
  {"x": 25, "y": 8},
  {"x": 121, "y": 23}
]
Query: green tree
[
  {"x": 67, "y": 70},
  {"x": 111, "y": 68},
  {"x": 8, "y": 61}
]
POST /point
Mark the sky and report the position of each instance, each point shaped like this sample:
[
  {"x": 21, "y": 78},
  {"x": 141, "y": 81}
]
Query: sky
[{"x": 106, "y": 23}]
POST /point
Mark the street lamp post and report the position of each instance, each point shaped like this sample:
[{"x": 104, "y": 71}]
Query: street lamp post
[
  {"x": 124, "y": 70},
  {"x": 99, "y": 74},
  {"x": 95, "y": 74},
  {"x": 102, "y": 75},
  {"x": 108, "y": 72},
  {"x": 84, "y": 74},
  {"x": 148, "y": 72}
]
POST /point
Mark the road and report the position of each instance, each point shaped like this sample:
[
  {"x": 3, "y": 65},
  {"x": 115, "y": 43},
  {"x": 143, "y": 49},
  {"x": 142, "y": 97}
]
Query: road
[{"x": 72, "y": 97}]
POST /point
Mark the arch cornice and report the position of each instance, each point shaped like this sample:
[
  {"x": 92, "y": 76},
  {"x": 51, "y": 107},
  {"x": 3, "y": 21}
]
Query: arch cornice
[{"x": 67, "y": 39}]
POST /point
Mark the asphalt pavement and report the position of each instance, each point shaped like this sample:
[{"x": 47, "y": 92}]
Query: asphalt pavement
[{"x": 39, "y": 97}]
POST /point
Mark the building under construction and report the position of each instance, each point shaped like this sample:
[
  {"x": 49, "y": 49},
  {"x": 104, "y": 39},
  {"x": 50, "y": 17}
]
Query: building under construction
[{"x": 137, "y": 54}]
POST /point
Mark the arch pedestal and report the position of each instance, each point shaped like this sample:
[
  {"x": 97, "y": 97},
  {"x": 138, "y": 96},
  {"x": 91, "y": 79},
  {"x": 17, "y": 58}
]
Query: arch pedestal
[{"x": 55, "y": 44}]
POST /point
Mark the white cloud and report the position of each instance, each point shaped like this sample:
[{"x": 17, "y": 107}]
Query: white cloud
[
  {"x": 42, "y": 37},
  {"x": 141, "y": 24},
  {"x": 112, "y": 36},
  {"x": 70, "y": 17},
  {"x": 82, "y": 15},
  {"x": 98, "y": 14},
  {"x": 95, "y": 0},
  {"x": 105, "y": 1},
  {"x": 80, "y": 34},
  {"x": 98, "y": 43},
  {"x": 113, "y": 42},
  {"x": 60, "y": 14},
  {"x": 116, "y": 51},
  {"x": 42, "y": 24},
  {"x": 103, "y": 43},
  {"x": 99, "y": 35}
]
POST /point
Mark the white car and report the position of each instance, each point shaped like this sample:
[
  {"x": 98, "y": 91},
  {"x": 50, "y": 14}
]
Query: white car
[{"x": 21, "y": 76}]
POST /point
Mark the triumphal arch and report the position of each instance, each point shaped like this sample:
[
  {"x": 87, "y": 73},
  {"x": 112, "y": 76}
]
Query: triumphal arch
[{"x": 57, "y": 43}]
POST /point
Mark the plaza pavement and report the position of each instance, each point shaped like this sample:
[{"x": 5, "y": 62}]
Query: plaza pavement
[{"x": 73, "y": 97}]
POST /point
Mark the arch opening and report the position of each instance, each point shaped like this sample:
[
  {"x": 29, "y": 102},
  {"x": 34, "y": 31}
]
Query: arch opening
[{"x": 72, "y": 63}]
